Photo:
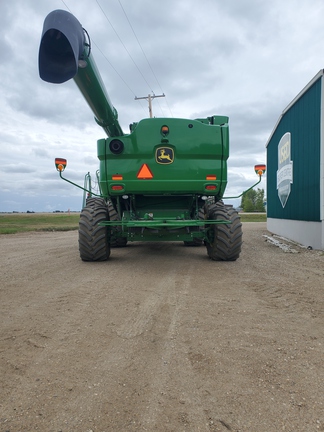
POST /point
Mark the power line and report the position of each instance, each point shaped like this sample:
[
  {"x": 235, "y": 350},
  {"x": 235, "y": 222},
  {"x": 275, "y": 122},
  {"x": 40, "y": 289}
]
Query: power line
[
  {"x": 106, "y": 58},
  {"x": 139, "y": 43},
  {"x": 132, "y": 28},
  {"x": 116, "y": 71},
  {"x": 124, "y": 46},
  {"x": 67, "y": 7}
]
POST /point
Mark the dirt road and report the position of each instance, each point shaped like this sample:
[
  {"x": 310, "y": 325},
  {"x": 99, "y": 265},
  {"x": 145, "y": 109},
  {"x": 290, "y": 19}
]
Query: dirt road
[{"x": 160, "y": 338}]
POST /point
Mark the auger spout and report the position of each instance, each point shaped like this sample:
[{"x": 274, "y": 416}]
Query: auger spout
[{"x": 65, "y": 53}]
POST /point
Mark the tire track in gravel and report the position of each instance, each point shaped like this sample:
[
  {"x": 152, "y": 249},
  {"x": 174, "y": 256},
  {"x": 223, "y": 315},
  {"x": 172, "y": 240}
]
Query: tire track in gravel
[
  {"x": 154, "y": 414},
  {"x": 139, "y": 319}
]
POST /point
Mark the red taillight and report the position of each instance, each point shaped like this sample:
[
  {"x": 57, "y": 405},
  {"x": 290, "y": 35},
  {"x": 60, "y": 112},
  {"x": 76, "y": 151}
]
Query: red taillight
[
  {"x": 210, "y": 187},
  {"x": 117, "y": 187}
]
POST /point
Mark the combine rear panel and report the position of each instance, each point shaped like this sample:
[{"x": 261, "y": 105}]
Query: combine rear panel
[{"x": 165, "y": 156}]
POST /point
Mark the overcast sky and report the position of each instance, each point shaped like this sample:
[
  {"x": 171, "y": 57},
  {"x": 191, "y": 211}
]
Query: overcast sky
[{"x": 243, "y": 58}]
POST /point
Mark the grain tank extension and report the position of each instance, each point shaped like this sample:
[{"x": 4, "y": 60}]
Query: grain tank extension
[{"x": 163, "y": 181}]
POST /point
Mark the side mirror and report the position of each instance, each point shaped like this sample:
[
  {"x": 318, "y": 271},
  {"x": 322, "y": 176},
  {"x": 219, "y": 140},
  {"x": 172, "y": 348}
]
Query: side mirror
[
  {"x": 259, "y": 169},
  {"x": 60, "y": 164}
]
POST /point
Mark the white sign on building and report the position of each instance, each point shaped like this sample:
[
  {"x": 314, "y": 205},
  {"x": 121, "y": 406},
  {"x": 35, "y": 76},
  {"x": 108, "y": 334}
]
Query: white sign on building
[{"x": 285, "y": 169}]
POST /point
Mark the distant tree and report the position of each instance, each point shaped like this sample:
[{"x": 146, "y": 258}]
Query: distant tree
[
  {"x": 252, "y": 201},
  {"x": 259, "y": 201},
  {"x": 247, "y": 202}
]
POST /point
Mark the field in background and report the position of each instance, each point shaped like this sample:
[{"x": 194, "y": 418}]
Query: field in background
[
  {"x": 253, "y": 217},
  {"x": 22, "y": 222}
]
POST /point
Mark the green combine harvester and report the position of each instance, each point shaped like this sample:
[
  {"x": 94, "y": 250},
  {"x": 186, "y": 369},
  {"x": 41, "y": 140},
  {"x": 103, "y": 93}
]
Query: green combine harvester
[{"x": 164, "y": 181}]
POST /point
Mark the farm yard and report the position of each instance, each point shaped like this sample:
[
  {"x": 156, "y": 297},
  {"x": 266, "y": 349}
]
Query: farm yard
[{"x": 159, "y": 337}]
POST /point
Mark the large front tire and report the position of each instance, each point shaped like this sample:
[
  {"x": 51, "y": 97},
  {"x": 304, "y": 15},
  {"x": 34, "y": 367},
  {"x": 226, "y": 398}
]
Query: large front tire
[
  {"x": 225, "y": 240},
  {"x": 93, "y": 238}
]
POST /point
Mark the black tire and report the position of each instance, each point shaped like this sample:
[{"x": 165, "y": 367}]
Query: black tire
[
  {"x": 115, "y": 241},
  {"x": 225, "y": 240},
  {"x": 196, "y": 241},
  {"x": 93, "y": 239}
]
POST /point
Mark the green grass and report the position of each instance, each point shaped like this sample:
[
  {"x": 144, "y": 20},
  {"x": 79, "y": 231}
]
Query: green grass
[
  {"x": 253, "y": 217},
  {"x": 23, "y": 222}
]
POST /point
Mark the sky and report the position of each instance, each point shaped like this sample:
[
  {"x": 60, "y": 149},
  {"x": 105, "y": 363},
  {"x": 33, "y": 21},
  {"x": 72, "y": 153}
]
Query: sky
[{"x": 246, "y": 59}]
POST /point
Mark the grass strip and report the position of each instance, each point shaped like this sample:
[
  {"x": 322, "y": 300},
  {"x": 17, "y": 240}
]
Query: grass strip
[{"x": 24, "y": 222}]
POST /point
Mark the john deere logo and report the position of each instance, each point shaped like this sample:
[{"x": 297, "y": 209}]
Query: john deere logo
[
  {"x": 285, "y": 169},
  {"x": 164, "y": 155}
]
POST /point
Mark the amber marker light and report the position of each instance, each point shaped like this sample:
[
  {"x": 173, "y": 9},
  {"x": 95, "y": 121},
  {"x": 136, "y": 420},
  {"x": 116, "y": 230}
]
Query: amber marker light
[
  {"x": 260, "y": 169},
  {"x": 60, "y": 164},
  {"x": 211, "y": 177},
  {"x": 165, "y": 130},
  {"x": 117, "y": 177}
]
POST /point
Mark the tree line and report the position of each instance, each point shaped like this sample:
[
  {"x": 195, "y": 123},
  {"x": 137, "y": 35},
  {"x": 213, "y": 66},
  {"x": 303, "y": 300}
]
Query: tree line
[{"x": 253, "y": 201}]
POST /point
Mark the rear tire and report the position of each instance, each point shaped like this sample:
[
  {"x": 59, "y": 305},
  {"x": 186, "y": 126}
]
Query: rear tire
[
  {"x": 225, "y": 240},
  {"x": 93, "y": 239}
]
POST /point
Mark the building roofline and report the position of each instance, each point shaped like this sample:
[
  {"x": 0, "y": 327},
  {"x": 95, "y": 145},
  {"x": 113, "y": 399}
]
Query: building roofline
[{"x": 300, "y": 94}]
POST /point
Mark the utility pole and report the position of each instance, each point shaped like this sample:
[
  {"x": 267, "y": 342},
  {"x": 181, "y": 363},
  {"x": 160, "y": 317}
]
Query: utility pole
[{"x": 149, "y": 98}]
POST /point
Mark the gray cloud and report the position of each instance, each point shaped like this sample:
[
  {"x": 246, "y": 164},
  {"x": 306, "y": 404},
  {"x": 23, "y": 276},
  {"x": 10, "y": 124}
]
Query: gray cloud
[{"x": 245, "y": 59}]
